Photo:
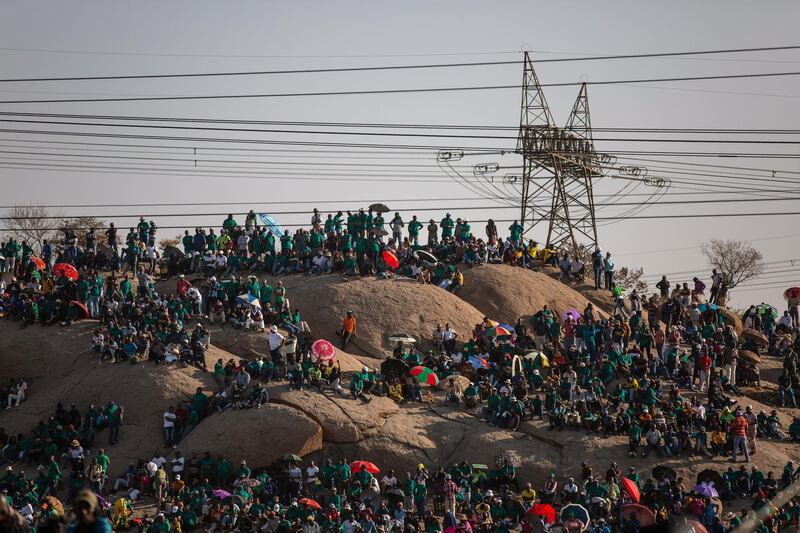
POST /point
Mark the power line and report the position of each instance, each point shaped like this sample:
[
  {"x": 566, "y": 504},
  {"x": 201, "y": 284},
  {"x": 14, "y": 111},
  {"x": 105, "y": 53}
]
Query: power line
[
  {"x": 396, "y": 91},
  {"x": 394, "y": 67},
  {"x": 379, "y": 134},
  {"x": 406, "y": 209},
  {"x": 385, "y": 125},
  {"x": 711, "y": 215},
  {"x": 473, "y": 150}
]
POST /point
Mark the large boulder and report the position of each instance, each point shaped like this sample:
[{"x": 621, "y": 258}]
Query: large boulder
[
  {"x": 261, "y": 436},
  {"x": 249, "y": 344},
  {"x": 343, "y": 420},
  {"x": 505, "y": 293},
  {"x": 382, "y": 307},
  {"x": 58, "y": 366}
]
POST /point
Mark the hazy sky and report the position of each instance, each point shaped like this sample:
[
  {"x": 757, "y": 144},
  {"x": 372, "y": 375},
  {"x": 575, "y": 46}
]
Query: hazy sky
[{"x": 46, "y": 39}]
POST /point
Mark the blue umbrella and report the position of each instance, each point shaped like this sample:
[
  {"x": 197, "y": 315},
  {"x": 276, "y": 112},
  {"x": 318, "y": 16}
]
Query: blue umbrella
[
  {"x": 248, "y": 299},
  {"x": 704, "y": 307},
  {"x": 271, "y": 224}
]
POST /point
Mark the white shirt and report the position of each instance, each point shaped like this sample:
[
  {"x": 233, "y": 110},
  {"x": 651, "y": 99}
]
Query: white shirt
[
  {"x": 448, "y": 334},
  {"x": 295, "y": 474},
  {"x": 177, "y": 464},
  {"x": 274, "y": 339},
  {"x": 389, "y": 481},
  {"x": 311, "y": 474}
]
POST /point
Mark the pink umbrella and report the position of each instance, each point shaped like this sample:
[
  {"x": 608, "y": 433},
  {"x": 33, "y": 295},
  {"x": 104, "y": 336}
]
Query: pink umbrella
[
  {"x": 571, "y": 312},
  {"x": 221, "y": 494},
  {"x": 323, "y": 350}
]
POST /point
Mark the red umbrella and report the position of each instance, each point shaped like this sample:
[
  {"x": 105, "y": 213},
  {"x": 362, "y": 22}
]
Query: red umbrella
[
  {"x": 38, "y": 262},
  {"x": 323, "y": 350},
  {"x": 66, "y": 270},
  {"x": 308, "y": 502},
  {"x": 544, "y": 510},
  {"x": 356, "y": 466},
  {"x": 631, "y": 488},
  {"x": 789, "y": 293},
  {"x": 390, "y": 259},
  {"x": 698, "y": 527},
  {"x": 81, "y": 307},
  {"x": 645, "y": 516}
]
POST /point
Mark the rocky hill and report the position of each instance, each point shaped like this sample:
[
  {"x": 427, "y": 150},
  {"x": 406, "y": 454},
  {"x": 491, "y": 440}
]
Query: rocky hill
[{"x": 59, "y": 368}]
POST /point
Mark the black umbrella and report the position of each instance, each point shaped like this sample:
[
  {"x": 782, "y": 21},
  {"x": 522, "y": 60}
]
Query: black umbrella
[
  {"x": 394, "y": 368},
  {"x": 379, "y": 208},
  {"x": 170, "y": 251},
  {"x": 711, "y": 475},
  {"x": 395, "y": 492},
  {"x": 664, "y": 472}
]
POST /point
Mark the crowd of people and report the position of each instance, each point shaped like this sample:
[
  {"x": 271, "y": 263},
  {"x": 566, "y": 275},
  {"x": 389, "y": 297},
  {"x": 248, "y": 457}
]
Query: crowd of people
[
  {"x": 205, "y": 492},
  {"x": 661, "y": 371}
]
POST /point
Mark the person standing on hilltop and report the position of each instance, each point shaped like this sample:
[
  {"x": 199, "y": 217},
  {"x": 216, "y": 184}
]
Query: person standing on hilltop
[
  {"x": 516, "y": 233},
  {"x": 413, "y": 230},
  {"x": 433, "y": 233},
  {"x": 597, "y": 266},
  {"x": 447, "y": 226},
  {"x": 491, "y": 230},
  {"x": 348, "y": 330},
  {"x": 397, "y": 225},
  {"x": 663, "y": 286},
  {"x": 608, "y": 268}
]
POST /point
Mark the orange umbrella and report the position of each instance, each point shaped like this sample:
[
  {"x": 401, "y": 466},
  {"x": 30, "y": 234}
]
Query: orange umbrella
[
  {"x": 308, "y": 502},
  {"x": 38, "y": 262}
]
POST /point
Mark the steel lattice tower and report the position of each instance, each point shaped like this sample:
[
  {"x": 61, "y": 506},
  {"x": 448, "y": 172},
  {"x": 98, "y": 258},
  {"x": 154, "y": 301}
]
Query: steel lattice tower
[{"x": 558, "y": 166}]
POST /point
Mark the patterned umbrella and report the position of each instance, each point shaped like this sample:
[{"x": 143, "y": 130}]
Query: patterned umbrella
[
  {"x": 67, "y": 270},
  {"x": 323, "y": 350},
  {"x": 497, "y": 331},
  {"x": 248, "y": 298},
  {"x": 425, "y": 375},
  {"x": 477, "y": 362},
  {"x": 574, "y": 510}
]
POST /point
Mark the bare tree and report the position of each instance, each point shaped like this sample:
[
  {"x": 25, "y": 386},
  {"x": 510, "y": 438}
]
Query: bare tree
[
  {"x": 33, "y": 223},
  {"x": 176, "y": 241},
  {"x": 626, "y": 277},
  {"x": 631, "y": 278},
  {"x": 80, "y": 226},
  {"x": 737, "y": 261}
]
